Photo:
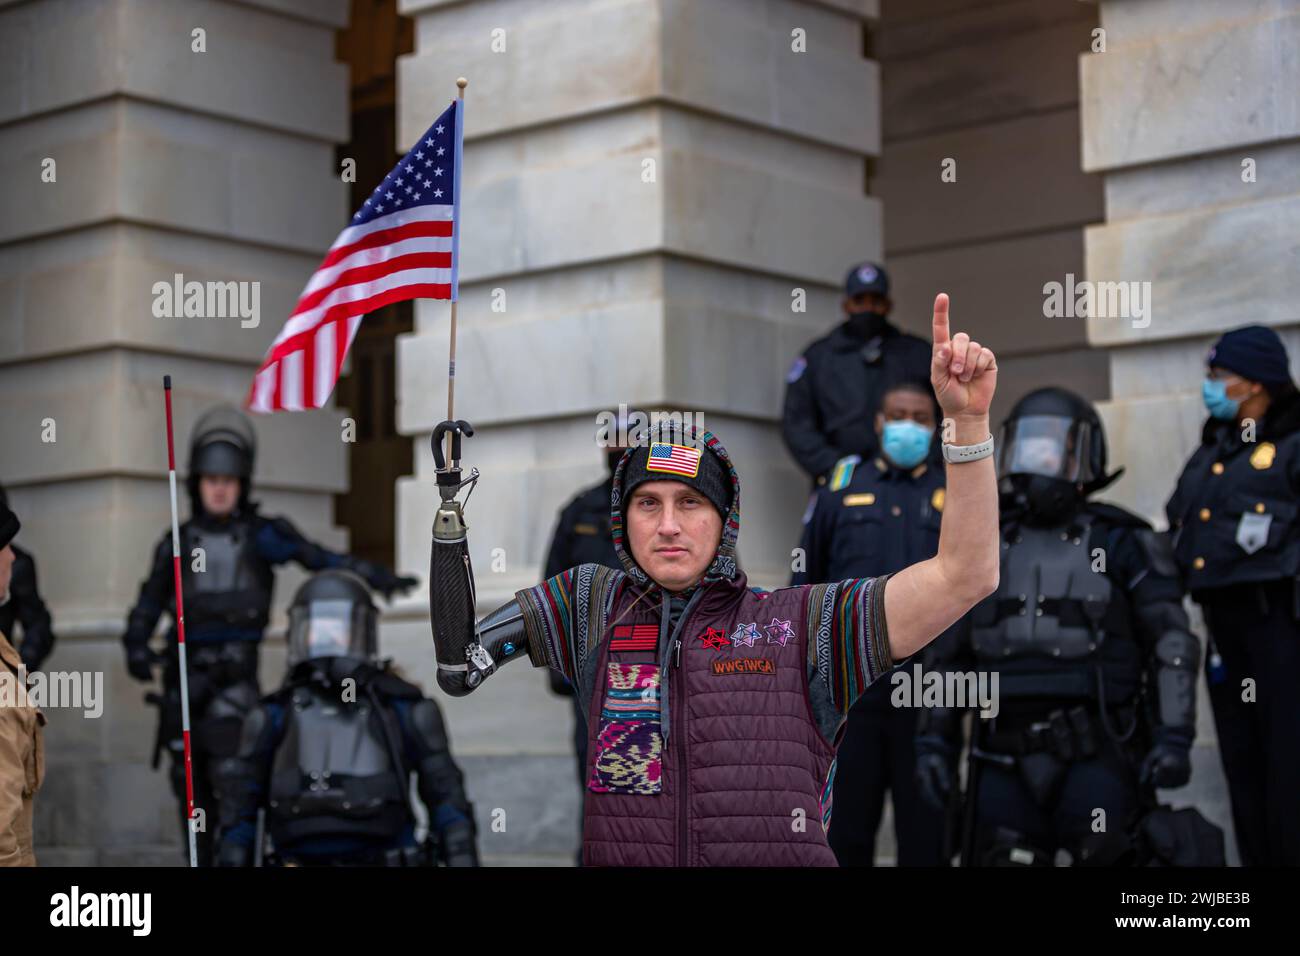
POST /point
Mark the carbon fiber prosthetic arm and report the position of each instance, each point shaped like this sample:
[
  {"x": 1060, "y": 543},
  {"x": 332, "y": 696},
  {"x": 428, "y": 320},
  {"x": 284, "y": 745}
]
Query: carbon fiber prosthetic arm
[{"x": 468, "y": 652}]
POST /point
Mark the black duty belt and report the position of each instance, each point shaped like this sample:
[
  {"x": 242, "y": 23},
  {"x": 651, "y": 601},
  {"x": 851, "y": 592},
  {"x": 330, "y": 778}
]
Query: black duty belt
[{"x": 1069, "y": 734}]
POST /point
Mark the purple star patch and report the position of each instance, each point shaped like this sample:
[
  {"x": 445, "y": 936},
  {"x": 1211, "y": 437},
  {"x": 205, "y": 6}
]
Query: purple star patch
[
  {"x": 779, "y": 632},
  {"x": 745, "y": 635}
]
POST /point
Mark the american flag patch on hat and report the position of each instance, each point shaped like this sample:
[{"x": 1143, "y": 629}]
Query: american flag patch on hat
[{"x": 674, "y": 459}]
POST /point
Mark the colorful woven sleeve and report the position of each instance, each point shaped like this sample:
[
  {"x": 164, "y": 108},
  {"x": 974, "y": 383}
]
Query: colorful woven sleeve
[
  {"x": 848, "y": 637},
  {"x": 548, "y": 622},
  {"x": 564, "y": 616}
]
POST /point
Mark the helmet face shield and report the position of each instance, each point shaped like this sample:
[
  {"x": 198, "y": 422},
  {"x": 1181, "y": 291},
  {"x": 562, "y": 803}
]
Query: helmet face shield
[
  {"x": 1053, "y": 446},
  {"x": 331, "y": 627}
]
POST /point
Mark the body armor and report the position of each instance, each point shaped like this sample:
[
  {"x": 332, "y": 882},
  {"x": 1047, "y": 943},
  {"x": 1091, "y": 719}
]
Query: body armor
[
  {"x": 234, "y": 588},
  {"x": 1051, "y": 608},
  {"x": 337, "y": 772}
]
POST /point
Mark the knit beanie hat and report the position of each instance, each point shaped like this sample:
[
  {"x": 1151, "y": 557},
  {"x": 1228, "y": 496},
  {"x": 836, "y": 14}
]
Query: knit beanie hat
[
  {"x": 691, "y": 466},
  {"x": 1255, "y": 352}
]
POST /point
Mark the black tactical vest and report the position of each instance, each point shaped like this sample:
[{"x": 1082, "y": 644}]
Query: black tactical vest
[
  {"x": 1045, "y": 627},
  {"x": 235, "y": 586},
  {"x": 338, "y": 771}
]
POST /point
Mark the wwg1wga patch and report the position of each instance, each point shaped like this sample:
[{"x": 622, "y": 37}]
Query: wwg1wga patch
[{"x": 743, "y": 665}]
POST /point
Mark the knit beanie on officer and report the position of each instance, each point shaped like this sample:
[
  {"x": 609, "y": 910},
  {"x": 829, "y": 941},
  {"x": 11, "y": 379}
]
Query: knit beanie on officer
[
  {"x": 696, "y": 467},
  {"x": 1255, "y": 352}
]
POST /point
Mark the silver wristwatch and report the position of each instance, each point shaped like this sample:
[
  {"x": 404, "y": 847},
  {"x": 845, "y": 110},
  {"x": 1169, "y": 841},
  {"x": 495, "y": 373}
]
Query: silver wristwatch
[{"x": 960, "y": 453}]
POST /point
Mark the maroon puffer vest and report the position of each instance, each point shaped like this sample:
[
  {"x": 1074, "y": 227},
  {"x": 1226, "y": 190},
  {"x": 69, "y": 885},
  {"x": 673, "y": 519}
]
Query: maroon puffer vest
[{"x": 741, "y": 779}]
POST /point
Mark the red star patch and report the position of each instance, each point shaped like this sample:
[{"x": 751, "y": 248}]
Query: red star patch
[{"x": 715, "y": 639}]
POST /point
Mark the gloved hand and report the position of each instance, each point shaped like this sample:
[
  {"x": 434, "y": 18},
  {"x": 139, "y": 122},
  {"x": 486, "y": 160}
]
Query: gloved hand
[
  {"x": 140, "y": 662},
  {"x": 1169, "y": 763},
  {"x": 457, "y": 846},
  {"x": 383, "y": 580},
  {"x": 934, "y": 770},
  {"x": 402, "y": 584}
]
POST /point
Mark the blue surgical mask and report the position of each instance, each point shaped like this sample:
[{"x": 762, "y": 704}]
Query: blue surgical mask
[
  {"x": 1215, "y": 394},
  {"x": 906, "y": 443}
]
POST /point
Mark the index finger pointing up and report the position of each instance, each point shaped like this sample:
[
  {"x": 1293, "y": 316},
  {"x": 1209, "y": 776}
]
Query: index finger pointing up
[{"x": 939, "y": 332}]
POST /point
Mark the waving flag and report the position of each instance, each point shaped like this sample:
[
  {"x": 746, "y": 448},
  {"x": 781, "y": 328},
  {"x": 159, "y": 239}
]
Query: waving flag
[{"x": 401, "y": 244}]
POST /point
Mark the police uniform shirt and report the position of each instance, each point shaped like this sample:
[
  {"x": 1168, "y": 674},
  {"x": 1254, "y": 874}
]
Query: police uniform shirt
[
  {"x": 871, "y": 518},
  {"x": 1233, "y": 513},
  {"x": 833, "y": 393}
]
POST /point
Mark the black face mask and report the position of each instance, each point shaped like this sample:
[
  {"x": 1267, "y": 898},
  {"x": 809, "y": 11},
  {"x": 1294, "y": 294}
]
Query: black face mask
[
  {"x": 1043, "y": 501},
  {"x": 866, "y": 325}
]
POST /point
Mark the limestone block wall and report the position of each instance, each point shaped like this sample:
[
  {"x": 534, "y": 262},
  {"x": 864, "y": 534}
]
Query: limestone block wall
[{"x": 217, "y": 165}]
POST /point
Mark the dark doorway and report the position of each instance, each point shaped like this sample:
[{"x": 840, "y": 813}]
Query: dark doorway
[{"x": 373, "y": 40}]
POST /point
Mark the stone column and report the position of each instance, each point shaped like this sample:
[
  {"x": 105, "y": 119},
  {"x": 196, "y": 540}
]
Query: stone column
[
  {"x": 647, "y": 183},
  {"x": 1189, "y": 96},
  {"x": 215, "y": 165}
]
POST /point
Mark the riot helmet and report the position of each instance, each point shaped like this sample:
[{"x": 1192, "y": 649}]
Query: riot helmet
[
  {"x": 222, "y": 443},
  {"x": 332, "y": 615},
  {"x": 1051, "y": 454}
]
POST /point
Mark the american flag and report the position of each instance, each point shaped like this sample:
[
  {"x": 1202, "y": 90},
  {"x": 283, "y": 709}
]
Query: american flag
[
  {"x": 674, "y": 459},
  {"x": 401, "y": 244},
  {"x": 635, "y": 637}
]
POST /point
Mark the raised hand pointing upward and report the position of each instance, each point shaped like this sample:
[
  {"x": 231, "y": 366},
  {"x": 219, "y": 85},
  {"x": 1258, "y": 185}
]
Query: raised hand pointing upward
[
  {"x": 964, "y": 373},
  {"x": 928, "y": 597}
]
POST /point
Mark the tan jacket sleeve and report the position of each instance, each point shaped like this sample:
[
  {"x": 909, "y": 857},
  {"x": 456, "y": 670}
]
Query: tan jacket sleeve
[
  {"x": 20, "y": 763},
  {"x": 15, "y": 753}
]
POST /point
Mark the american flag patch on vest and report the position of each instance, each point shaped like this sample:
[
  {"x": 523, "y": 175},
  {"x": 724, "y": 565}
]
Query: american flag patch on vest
[{"x": 635, "y": 637}]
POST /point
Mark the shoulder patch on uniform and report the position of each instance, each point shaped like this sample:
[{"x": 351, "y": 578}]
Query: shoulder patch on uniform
[
  {"x": 796, "y": 370},
  {"x": 853, "y": 501},
  {"x": 936, "y": 500},
  {"x": 842, "y": 473}
]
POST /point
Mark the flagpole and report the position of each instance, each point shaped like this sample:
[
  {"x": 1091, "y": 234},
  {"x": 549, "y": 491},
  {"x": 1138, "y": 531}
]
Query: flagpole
[
  {"x": 180, "y": 629},
  {"x": 461, "y": 83}
]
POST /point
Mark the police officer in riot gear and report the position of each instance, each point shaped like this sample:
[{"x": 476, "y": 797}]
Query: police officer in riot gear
[
  {"x": 1089, "y": 640},
  {"x": 26, "y": 609},
  {"x": 228, "y": 555},
  {"x": 329, "y": 756},
  {"x": 1236, "y": 538},
  {"x": 833, "y": 389},
  {"x": 875, "y": 517}
]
